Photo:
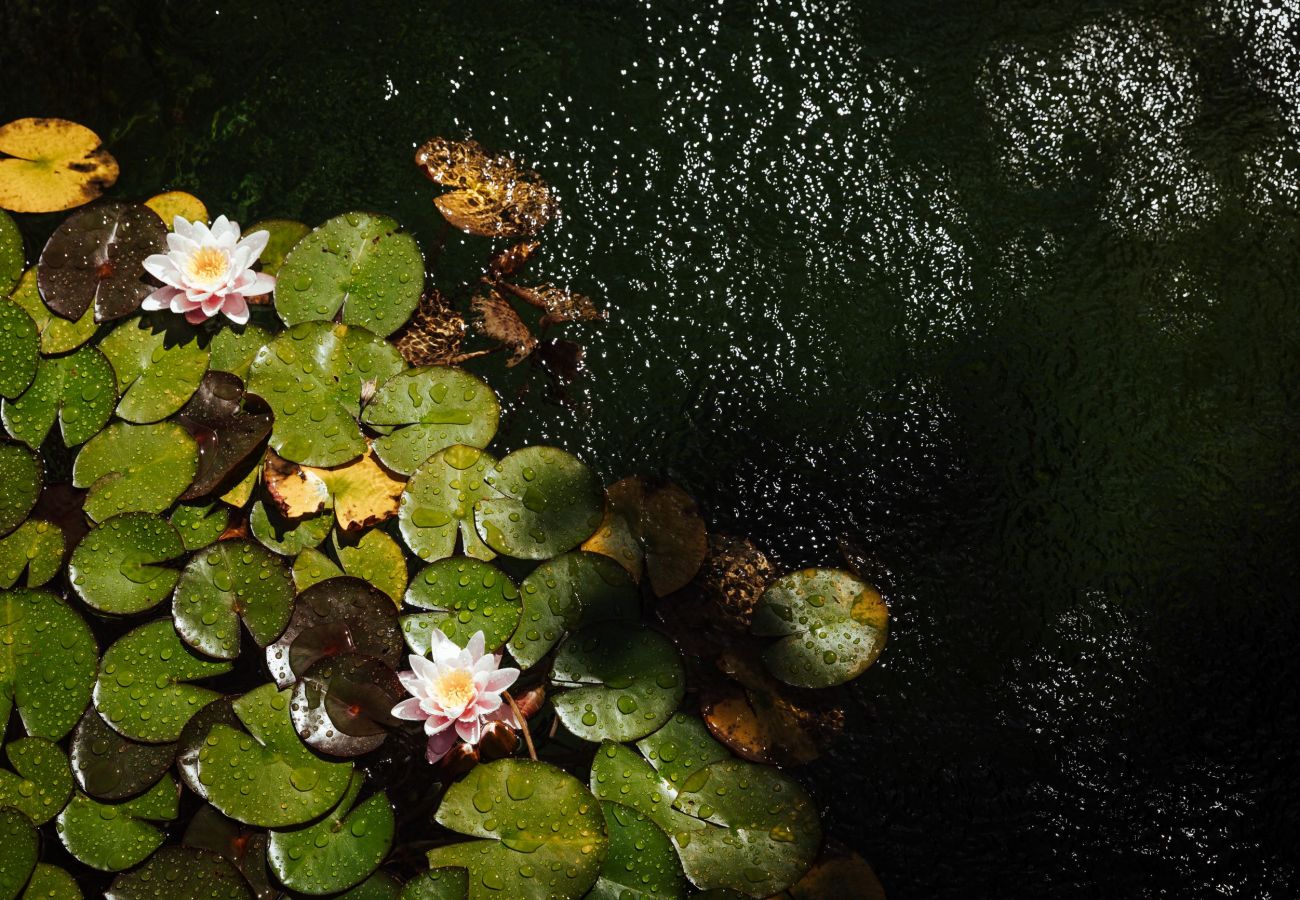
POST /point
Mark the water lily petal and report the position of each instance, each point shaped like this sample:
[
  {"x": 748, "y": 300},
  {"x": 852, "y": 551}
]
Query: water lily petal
[
  {"x": 236, "y": 308},
  {"x": 439, "y": 745},
  {"x": 196, "y": 317},
  {"x": 500, "y": 680},
  {"x": 255, "y": 243},
  {"x": 410, "y": 710},
  {"x": 423, "y": 667},
  {"x": 437, "y": 723},
  {"x": 470, "y": 731},
  {"x": 475, "y": 646},
  {"x": 262, "y": 284}
]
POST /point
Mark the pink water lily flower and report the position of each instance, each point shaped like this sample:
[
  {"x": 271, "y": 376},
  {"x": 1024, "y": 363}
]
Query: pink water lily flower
[
  {"x": 455, "y": 693},
  {"x": 207, "y": 271}
]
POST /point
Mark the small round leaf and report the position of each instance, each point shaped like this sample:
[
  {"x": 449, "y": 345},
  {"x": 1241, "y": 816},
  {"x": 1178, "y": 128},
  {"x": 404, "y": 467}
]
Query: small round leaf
[
  {"x": 41, "y": 782},
  {"x": 438, "y": 503},
  {"x": 342, "y": 705},
  {"x": 336, "y": 616},
  {"x": 181, "y": 873},
  {"x": 568, "y": 592},
  {"x": 429, "y": 409},
  {"x": 35, "y": 550},
  {"x": 463, "y": 596},
  {"x": 58, "y": 335},
  {"x": 20, "y": 351},
  {"x": 95, "y": 259},
  {"x": 20, "y": 484},
  {"x": 159, "y": 363},
  {"x": 117, "y": 567},
  {"x": 111, "y": 767},
  {"x": 642, "y": 863},
  {"x": 47, "y": 662},
  {"x": 18, "y": 837},
  {"x": 228, "y": 582},
  {"x": 113, "y": 837},
  {"x": 131, "y": 468},
  {"x": 77, "y": 390},
  {"x": 546, "y": 502}
]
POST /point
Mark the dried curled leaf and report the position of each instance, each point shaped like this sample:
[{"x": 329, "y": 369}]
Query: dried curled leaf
[
  {"x": 499, "y": 321},
  {"x": 434, "y": 335},
  {"x": 51, "y": 164},
  {"x": 733, "y": 576},
  {"x": 655, "y": 526},
  {"x": 560, "y": 304},
  {"x": 494, "y": 196},
  {"x": 361, "y": 493},
  {"x": 510, "y": 260}
]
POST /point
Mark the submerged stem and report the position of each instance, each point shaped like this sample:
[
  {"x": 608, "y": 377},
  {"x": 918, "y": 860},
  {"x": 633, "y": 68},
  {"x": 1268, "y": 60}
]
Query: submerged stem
[{"x": 523, "y": 725}]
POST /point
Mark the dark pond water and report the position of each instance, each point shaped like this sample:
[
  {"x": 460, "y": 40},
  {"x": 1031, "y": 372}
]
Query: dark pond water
[{"x": 1000, "y": 293}]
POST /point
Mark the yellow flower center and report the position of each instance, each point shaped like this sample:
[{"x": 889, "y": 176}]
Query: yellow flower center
[
  {"x": 455, "y": 688},
  {"x": 209, "y": 264}
]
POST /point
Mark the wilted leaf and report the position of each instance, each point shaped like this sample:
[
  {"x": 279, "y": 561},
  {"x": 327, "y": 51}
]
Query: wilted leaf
[
  {"x": 96, "y": 258},
  {"x": 495, "y": 196},
  {"x": 732, "y": 578},
  {"x": 559, "y": 304},
  {"x": 512, "y": 259},
  {"x": 656, "y": 524},
  {"x": 434, "y": 335},
  {"x": 285, "y": 235},
  {"x": 499, "y": 321},
  {"x": 361, "y": 493},
  {"x": 51, "y": 164}
]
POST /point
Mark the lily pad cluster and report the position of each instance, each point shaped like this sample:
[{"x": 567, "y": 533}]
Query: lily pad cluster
[{"x": 219, "y": 543}]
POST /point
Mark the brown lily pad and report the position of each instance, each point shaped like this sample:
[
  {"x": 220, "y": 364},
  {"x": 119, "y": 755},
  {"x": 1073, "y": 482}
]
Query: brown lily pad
[
  {"x": 559, "y": 304},
  {"x": 499, "y": 321},
  {"x": 512, "y": 259},
  {"x": 652, "y": 525},
  {"x": 361, "y": 493},
  {"x": 494, "y": 196}
]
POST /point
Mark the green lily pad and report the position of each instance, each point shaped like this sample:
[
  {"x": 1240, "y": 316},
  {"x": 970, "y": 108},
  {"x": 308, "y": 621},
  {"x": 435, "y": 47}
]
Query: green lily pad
[
  {"x": 22, "y": 349},
  {"x": 12, "y": 259},
  {"x": 312, "y": 376},
  {"x": 358, "y": 261},
  {"x": 200, "y": 524},
  {"x": 239, "y": 495},
  {"x": 312, "y": 567},
  {"x": 181, "y": 873},
  {"x": 547, "y": 501},
  {"x": 831, "y": 625},
  {"x": 463, "y": 596},
  {"x": 117, "y": 567},
  {"x": 375, "y": 557},
  {"x": 642, "y": 863},
  {"x": 193, "y": 737},
  {"x": 566, "y": 593},
  {"x": 20, "y": 484},
  {"x": 234, "y": 348},
  {"x": 228, "y": 435},
  {"x": 285, "y": 235},
  {"x": 96, "y": 259},
  {"x": 288, "y": 537},
  {"x": 343, "y": 705},
  {"x": 623, "y": 681},
  {"x": 267, "y": 776},
  {"x": 47, "y": 662},
  {"x": 116, "y": 836},
  {"x": 58, "y": 335},
  {"x": 159, "y": 363},
  {"x": 238, "y": 844},
  {"x": 540, "y": 832},
  {"x": 35, "y": 550},
  {"x": 224, "y": 584},
  {"x": 340, "y": 615},
  {"x": 111, "y": 767},
  {"x": 340, "y": 850},
  {"x": 143, "y": 688},
  {"x": 438, "y": 504},
  {"x": 43, "y": 782},
  {"x": 379, "y": 886},
  {"x": 735, "y": 824},
  {"x": 78, "y": 390},
  {"x": 18, "y": 837},
  {"x": 430, "y": 409},
  {"x": 51, "y": 883},
  {"x": 437, "y": 884},
  {"x": 130, "y": 468}
]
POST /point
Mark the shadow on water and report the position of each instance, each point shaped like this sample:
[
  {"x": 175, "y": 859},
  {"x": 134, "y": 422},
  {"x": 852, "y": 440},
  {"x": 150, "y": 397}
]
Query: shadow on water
[{"x": 1001, "y": 293}]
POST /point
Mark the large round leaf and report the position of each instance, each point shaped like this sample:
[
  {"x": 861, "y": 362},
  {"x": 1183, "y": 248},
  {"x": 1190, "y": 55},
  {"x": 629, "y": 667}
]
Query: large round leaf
[
  {"x": 266, "y": 776},
  {"x": 20, "y": 484},
  {"x": 540, "y": 832},
  {"x": 429, "y": 409},
  {"x": 143, "y": 688},
  {"x": 234, "y": 348},
  {"x": 338, "y": 851},
  {"x": 12, "y": 258},
  {"x": 287, "y": 537},
  {"x": 116, "y": 836},
  {"x": 47, "y": 662},
  {"x": 620, "y": 681},
  {"x": 78, "y": 390},
  {"x": 312, "y": 377},
  {"x": 438, "y": 503},
  {"x": 47, "y": 165},
  {"x": 135, "y": 468},
  {"x": 35, "y": 550},
  {"x": 284, "y": 236},
  {"x": 547, "y": 501},
  {"x": 831, "y": 625},
  {"x": 20, "y": 350},
  {"x": 51, "y": 883},
  {"x": 40, "y": 783},
  {"x": 18, "y": 837},
  {"x": 341, "y": 615},
  {"x": 642, "y": 863},
  {"x": 463, "y": 596},
  {"x": 200, "y": 524},
  {"x": 111, "y": 767},
  {"x": 238, "y": 844},
  {"x": 117, "y": 568},
  {"x": 437, "y": 884},
  {"x": 228, "y": 582},
  {"x": 342, "y": 705},
  {"x": 181, "y": 873},
  {"x": 58, "y": 335},
  {"x": 312, "y": 567},
  {"x": 193, "y": 737},
  {"x": 96, "y": 258},
  {"x": 375, "y": 557},
  {"x": 159, "y": 363},
  {"x": 358, "y": 261},
  {"x": 568, "y": 592}
]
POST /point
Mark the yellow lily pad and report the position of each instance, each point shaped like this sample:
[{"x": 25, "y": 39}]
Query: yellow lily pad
[
  {"x": 170, "y": 204},
  {"x": 51, "y": 164},
  {"x": 361, "y": 493}
]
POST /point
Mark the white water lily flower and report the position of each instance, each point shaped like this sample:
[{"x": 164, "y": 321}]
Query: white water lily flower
[
  {"x": 206, "y": 271},
  {"x": 455, "y": 693}
]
